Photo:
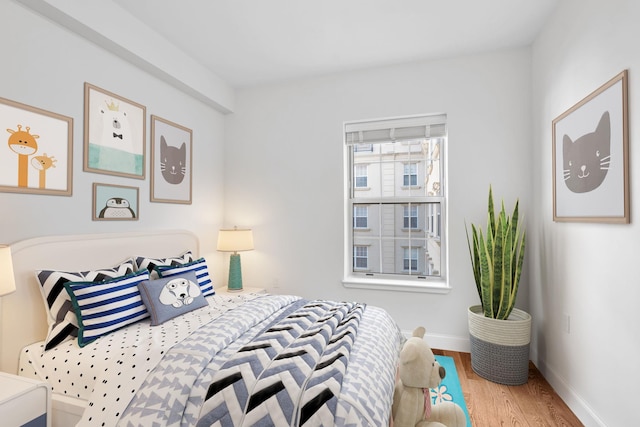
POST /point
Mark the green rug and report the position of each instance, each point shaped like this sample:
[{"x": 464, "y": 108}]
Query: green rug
[{"x": 449, "y": 389}]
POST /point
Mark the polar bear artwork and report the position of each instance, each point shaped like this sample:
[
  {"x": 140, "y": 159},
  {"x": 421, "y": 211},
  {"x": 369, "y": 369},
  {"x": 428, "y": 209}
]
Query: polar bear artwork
[{"x": 114, "y": 148}]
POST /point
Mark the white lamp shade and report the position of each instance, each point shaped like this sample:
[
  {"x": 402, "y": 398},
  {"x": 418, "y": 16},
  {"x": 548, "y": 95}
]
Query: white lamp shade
[
  {"x": 235, "y": 240},
  {"x": 7, "y": 280}
]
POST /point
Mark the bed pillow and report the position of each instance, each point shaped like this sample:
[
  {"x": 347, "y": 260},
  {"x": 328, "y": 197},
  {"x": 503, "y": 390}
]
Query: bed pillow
[
  {"x": 151, "y": 263},
  {"x": 103, "y": 307},
  {"x": 168, "y": 297},
  {"x": 198, "y": 266},
  {"x": 61, "y": 317}
]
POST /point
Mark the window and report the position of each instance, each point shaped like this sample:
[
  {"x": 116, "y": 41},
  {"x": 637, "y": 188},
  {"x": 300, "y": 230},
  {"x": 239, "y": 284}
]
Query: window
[
  {"x": 395, "y": 203},
  {"x": 361, "y": 176},
  {"x": 360, "y": 257},
  {"x": 410, "y": 259},
  {"x": 363, "y": 147},
  {"x": 360, "y": 216},
  {"x": 410, "y": 177},
  {"x": 410, "y": 216}
]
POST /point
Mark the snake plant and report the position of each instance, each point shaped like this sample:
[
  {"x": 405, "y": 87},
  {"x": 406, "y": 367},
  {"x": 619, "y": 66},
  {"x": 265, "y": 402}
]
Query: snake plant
[{"x": 496, "y": 257}]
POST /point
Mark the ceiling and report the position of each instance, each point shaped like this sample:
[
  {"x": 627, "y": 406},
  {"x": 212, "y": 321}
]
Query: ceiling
[{"x": 252, "y": 42}]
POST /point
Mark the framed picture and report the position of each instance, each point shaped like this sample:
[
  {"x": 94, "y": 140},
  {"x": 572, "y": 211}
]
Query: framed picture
[
  {"x": 591, "y": 157},
  {"x": 114, "y": 134},
  {"x": 38, "y": 156},
  {"x": 115, "y": 202},
  {"x": 171, "y": 162}
]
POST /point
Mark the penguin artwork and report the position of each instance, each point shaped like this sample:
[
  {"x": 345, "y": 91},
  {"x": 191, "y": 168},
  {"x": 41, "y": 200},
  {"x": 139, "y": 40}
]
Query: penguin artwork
[{"x": 117, "y": 207}]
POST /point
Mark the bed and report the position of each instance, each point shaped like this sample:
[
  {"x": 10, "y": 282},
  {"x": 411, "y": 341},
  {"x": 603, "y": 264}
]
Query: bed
[{"x": 235, "y": 359}]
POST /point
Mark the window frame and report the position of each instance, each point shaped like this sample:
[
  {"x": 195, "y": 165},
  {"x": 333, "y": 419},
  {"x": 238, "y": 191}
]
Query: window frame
[{"x": 363, "y": 279}]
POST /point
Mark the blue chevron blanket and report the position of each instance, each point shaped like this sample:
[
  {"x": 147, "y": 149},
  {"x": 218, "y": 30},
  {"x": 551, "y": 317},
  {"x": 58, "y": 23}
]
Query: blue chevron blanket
[
  {"x": 290, "y": 374},
  {"x": 270, "y": 361}
]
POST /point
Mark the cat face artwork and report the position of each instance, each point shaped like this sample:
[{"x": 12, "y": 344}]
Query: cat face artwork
[
  {"x": 173, "y": 162},
  {"x": 586, "y": 160}
]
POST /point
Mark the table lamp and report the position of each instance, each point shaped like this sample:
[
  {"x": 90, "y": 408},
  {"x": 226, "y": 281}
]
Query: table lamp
[
  {"x": 7, "y": 280},
  {"x": 235, "y": 240}
]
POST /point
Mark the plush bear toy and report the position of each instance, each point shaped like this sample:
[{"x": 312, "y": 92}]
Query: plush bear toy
[{"x": 418, "y": 371}]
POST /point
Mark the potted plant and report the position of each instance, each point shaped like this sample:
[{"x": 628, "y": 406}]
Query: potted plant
[{"x": 499, "y": 333}]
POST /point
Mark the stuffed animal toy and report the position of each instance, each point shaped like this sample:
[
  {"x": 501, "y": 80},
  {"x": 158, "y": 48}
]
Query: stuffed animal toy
[{"x": 418, "y": 371}]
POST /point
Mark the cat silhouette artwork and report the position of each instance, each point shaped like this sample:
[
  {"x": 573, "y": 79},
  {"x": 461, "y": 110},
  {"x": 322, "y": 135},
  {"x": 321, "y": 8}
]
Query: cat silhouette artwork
[
  {"x": 586, "y": 160},
  {"x": 173, "y": 161}
]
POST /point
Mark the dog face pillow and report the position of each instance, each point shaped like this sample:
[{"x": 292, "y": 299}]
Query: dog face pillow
[
  {"x": 418, "y": 371},
  {"x": 179, "y": 291},
  {"x": 168, "y": 297}
]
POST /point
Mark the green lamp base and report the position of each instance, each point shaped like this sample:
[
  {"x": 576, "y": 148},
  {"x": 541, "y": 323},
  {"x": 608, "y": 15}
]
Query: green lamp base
[{"x": 235, "y": 274}]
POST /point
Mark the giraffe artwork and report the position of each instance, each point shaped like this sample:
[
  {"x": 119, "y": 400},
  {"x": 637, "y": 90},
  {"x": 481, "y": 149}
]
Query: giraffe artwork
[
  {"x": 42, "y": 163},
  {"x": 38, "y": 155},
  {"x": 24, "y": 144}
]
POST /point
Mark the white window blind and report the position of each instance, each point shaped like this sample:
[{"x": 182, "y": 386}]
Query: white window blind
[{"x": 392, "y": 130}]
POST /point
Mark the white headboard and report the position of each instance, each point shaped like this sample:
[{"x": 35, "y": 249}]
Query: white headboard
[{"x": 23, "y": 314}]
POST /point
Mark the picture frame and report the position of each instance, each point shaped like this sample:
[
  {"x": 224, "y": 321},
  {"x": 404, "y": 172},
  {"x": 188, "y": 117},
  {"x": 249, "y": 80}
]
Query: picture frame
[
  {"x": 38, "y": 156},
  {"x": 115, "y": 202},
  {"x": 171, "y": 162},
  {"x": 591, "y": 157},
  {"x": 114, "y": 134}
]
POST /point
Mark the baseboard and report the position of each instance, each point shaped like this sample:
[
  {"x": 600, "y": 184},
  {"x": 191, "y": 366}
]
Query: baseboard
[
  {"x": 445, "y": 342},
  {"x": 573, "y": 400}
]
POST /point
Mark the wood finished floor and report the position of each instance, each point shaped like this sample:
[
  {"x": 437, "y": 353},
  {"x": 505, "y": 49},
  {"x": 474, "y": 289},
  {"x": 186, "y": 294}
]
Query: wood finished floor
[{"x": 492, "y": 405}]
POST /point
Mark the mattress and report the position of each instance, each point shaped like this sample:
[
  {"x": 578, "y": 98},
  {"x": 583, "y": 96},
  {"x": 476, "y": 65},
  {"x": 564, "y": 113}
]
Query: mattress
[
  {"x": 210, "y": 366},
  {"x": 72, "y": 371}
]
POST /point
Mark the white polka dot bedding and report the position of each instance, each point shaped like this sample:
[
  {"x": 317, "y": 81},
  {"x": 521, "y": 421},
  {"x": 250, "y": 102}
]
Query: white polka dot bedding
[{"x": 242, "y": 360}]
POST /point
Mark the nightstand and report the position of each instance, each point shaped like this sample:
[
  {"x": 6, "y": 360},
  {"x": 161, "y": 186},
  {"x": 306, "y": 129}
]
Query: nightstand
[
  {"x": 24, "y": 402},
  {"x": 245, "y": 290}
]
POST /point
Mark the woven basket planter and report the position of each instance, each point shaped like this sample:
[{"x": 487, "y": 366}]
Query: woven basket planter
[{"x": 500, "y": 348}]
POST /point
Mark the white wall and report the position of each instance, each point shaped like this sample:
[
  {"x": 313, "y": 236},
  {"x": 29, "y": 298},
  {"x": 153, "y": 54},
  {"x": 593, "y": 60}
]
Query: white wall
[
  {"x": 284, "y": 143},
  {"x": 46, "y": 65},
  {"x": 587, "y": 271}
]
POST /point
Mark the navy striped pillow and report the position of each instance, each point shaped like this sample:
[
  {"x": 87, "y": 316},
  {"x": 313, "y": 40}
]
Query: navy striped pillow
[
  {"x": 198, "y": 266},
  {"x": 63, "y": 323},
  {"x": 106, "y": 306}
]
